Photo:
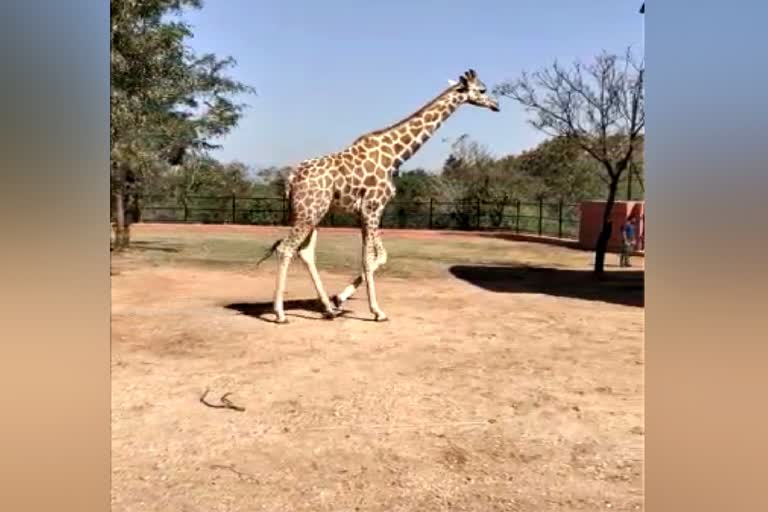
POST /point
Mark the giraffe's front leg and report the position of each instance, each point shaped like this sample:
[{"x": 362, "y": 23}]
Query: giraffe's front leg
[
  {"x": 369, "y": 261},
  {"x": 381, "y": 260}
]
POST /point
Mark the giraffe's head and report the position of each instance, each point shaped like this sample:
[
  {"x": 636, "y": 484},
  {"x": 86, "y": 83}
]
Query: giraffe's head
[{"x": 475, "y": 91}]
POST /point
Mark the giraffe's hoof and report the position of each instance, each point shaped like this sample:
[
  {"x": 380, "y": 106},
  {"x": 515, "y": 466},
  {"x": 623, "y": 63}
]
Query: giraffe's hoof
[
  {"x": 281, "y": 321},
  {"x": 382, "y": 318},
  {"x": 330, "y": 315},
  {"x": 337, "y": 301}
]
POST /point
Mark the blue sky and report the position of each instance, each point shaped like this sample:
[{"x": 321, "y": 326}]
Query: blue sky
[{"x": 328, "y": 71}]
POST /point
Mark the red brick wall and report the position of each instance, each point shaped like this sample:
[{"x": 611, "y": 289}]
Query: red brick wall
[{"x": 591, "y": 222}]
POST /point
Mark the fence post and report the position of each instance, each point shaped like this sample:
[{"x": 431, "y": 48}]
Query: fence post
[
  {"x": 186, "y": 210},
  {"x": 234, "y": 208},
  {"x": 478, "y": 214},
  {"x": 541, "y": 216},
  {"x": 517, "y": 216},
  {"x": 431, "y": 206},
  {"x": 284, "y": 221},
  {"x": 560, "y": 219}
]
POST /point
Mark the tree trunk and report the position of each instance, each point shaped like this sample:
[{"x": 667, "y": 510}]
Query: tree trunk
[
  {"x": 122, "y": 225},
  {"x": 121, "y": 236},
  {"x": 134, "y": 208},
  {"x": 605, "y": 234}
]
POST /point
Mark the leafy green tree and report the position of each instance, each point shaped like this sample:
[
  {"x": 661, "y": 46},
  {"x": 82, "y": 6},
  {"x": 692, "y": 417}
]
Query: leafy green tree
[
  {"x": 415, "y": 188},
  {"x": 414, "y": 185},
  {"x": 166, "y": 102},
  {"x": 632, "y": 183},
  {"x": 558, "y": 169},
  {"x": 271, "y": 180},
  {"x": 600, "y": 106},
  {"x": 477, "y": 183}
]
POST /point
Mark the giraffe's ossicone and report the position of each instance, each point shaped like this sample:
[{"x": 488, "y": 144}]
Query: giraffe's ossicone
[{"x": 359, "y": 180}]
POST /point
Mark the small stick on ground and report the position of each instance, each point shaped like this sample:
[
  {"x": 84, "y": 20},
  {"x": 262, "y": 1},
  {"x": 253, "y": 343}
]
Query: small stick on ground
[{"x": 225, "y": 402}]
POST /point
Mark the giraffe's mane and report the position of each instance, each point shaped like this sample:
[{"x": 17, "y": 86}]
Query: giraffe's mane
[{"x": 426, "y": 106}]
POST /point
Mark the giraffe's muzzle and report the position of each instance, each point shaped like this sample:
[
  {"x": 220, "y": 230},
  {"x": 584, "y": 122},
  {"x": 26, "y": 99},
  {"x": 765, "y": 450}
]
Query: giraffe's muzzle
[{"x": 492, "y": 104}]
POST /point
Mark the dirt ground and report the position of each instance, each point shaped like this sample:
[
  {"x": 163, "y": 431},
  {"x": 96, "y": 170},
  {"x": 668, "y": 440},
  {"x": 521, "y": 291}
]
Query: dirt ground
[{"x": 495, "y": 387}]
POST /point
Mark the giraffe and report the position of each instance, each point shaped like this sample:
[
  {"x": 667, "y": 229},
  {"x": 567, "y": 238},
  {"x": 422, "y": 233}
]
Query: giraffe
[{"x": 358, "y": 180}]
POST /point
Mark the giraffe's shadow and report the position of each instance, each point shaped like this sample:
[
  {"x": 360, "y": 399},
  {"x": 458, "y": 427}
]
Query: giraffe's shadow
[{"x": 263, "y": 310}]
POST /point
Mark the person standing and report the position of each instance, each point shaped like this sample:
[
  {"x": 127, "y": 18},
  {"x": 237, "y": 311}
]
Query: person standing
[{"x": 629, "y": 239}]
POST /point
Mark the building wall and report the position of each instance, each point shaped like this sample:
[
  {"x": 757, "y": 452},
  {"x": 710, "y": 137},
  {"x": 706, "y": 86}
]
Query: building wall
[{"x": 591, "y": 223}]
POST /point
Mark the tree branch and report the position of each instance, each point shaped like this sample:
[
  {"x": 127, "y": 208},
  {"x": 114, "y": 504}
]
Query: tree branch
[
  {"x": 225, "y": 402},
  {"x": 599, "y": 105}
]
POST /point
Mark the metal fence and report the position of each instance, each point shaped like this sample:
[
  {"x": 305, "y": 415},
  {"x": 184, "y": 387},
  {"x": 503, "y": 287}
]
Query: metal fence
[{"x": 533, "y": 217}]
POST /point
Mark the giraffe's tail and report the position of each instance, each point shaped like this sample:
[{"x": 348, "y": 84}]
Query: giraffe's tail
[{"x": 269, "y": 253}]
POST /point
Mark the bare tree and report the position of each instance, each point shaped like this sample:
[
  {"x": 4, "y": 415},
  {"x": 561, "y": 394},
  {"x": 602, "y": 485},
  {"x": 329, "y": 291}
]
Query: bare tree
[{"x": 600, "y": 106}]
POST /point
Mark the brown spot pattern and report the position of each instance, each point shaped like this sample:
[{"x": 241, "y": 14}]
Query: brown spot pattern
[{"x": 359, "y": 177}]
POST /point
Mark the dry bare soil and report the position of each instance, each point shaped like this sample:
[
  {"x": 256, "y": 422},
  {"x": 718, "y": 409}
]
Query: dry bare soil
[{"x": 506, "y": 379}]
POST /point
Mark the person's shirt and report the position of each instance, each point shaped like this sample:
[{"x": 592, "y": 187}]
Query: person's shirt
[{"x": 629, "y": 231}]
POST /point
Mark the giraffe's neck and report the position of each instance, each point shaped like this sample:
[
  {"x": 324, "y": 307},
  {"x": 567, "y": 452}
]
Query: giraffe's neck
[{"x": 407, "y": 136}]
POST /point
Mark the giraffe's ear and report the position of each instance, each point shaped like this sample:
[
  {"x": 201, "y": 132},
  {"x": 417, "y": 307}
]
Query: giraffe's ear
[{"x": 452, "y": 82}]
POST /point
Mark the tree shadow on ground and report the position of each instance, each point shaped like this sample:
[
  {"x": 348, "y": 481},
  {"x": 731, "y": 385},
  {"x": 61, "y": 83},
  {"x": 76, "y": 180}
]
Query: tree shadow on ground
[
  {"x": 263, "y": 310},
  {"x": 625, "y": 287}
]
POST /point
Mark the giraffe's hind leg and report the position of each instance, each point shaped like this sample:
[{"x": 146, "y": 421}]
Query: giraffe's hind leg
[
  {"x": 307, "y": 255},
  {"x": 285, "y": 252}
]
